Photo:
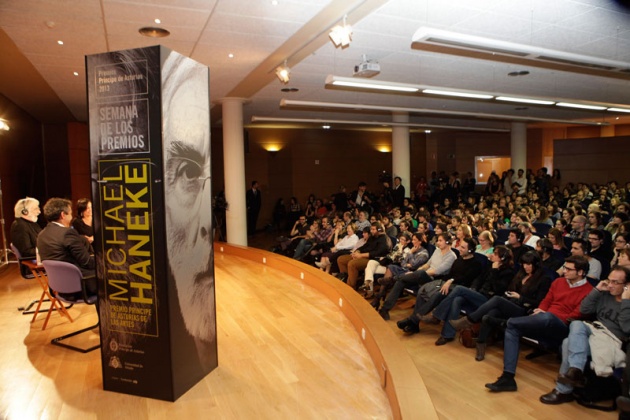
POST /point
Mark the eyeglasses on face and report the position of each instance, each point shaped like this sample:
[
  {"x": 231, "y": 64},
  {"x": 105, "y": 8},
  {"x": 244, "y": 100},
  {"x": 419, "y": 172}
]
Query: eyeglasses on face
[
  {"x": 620, "y": 241},
  {"x": 618, "y": 283},
  {"x": 565, "y": 268}
]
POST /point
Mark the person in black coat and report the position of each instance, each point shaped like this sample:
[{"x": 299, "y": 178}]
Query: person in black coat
[
  {"x": 60, "y": 243},
  {"x": 253, "y": 201},
  {"x": 24, "y": 229}
]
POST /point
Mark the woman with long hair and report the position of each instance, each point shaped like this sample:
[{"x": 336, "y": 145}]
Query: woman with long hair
[{"x": 527, "y": 290}]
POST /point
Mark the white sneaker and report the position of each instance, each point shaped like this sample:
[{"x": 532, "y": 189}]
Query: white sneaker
[{"x": 318, "y": 264}]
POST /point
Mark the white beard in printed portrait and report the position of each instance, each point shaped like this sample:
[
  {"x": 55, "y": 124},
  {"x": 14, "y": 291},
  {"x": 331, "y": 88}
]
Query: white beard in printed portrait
[{"x": 188, "y": 195}]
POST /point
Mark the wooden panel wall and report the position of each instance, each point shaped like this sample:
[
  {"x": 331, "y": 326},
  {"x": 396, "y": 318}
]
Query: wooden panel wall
[
  {"x": 21, "y": 159},
  {"x": 593, "y": 159}
]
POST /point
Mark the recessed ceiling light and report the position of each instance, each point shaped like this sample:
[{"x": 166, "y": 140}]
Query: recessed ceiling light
[
  {"x": 153, "y": 32},
  {"x": 158, "y": 21},
  {"x": 60, "y": 42},
  {"x": 326, "y": 127},
  {"x": 274, "y": 2},
  {"x": 76, "y": 73},
  {"x": 427, "y": 131},
  {"x": 230, "y": 55}
]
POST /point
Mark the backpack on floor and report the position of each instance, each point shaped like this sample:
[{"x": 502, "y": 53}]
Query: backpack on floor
[{"x": 600, "y": 392}]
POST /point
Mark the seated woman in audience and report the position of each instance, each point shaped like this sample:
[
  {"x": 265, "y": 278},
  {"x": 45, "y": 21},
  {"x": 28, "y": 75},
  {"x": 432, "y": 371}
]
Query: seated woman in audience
[
  {"x": 462, "y": 232},
  {"x": 529, "y": 237},
  {"x": 295, "y": 210},
  {"x": 555, "y": 235},
  {"x": 624, "y": 258},
  {"x": 486, "y": 243},
  {"x": 568, "y": 214},
  {"x": 309, "y": 212},
  {"x": 542, "y": 216},
  {"x": 83, "y": 222},
  {"x": 494, "y": 281},
  {"x": 527, "y": 290},
  {"x": 439, "y": 229},
  {"x": 621, "y": 242},
  {"x": 342, "y": 245},
  {"x": 595, "y": 221},
  {"x": 561, "y": 225},
  {"x": 416, "y": 256},
  {"x": 24, "y": 229}
]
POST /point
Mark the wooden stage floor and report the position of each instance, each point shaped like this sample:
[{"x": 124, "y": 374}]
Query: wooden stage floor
[{"x": 285, "y": 352}]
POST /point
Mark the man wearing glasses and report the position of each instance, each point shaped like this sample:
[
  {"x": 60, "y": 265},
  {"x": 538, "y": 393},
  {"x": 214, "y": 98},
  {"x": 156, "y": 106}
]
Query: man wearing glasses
[
  {"x": 549, "y": 323},
  {"x": 610, "y": 303}
]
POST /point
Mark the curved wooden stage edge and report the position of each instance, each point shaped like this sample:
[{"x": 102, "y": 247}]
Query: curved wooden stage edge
[{"x": 403, "y": 385}]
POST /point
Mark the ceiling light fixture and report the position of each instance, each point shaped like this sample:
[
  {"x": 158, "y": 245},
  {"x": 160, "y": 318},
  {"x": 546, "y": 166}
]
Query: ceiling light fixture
[
  {"x": 315, "y": 121},
  {"x": 459, "y": 94},
  {"x": 60, "y": 42},
  {"x": 524, "y": 100},
  {"x": 283, "y": 73},
  {"x": 158, "y": 21},
  {"x": 446, "y": 42},
  {"x": 341, "y": 35},
  {"x": 619, "y": 109},
  {"x": 153, "y": 32},
  {"x": 284, "y": 103},
  {"x": 372, "y": 84},
  {"x": 76, "y": 73},
  {"x": 581, "y": 106},
  {"x": 339, "y": 82},
  {"x": 4, "y": 126}
]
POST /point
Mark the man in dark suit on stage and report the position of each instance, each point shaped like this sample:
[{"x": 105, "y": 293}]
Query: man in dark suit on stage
[
  {"x": 61, "y": 243},
  {"x": 253, "y": 201}
]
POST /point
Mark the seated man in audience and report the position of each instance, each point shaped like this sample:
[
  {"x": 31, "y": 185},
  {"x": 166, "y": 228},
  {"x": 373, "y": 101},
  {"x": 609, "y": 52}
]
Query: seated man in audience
[
  {"x": 24, "y": 229},
  {"x": 363, "y": 221},
  {"x": 599, "y": 251},
  {"x": 378, "y": 245},
  {"x": 516, "y": 245},
  {"x": 549, "y": 323},
  {"x": 439, "y": 263},
  {"x": 61, "y": 243},
  {"x": 545, "y": 250},
  {"x": 320, "y": 237},
  {"x": 582, "y": 248},
  {"x": 578, "y": 228},
  {"x": 298, "y": 232},
  {"x": 610, "y": 303}
]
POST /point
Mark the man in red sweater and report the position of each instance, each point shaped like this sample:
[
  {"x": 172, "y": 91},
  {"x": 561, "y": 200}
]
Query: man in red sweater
[{"x": 549, "y": 323}]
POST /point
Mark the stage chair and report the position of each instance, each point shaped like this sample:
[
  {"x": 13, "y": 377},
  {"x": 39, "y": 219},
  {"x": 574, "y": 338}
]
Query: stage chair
[
  {"x": 27, "y": 274},
  {"x": 66, "y": 278}
]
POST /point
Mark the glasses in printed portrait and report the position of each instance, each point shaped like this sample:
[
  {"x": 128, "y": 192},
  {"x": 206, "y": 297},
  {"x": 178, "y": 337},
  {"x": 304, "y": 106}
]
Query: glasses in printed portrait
[{"x": 186, "y": 142}]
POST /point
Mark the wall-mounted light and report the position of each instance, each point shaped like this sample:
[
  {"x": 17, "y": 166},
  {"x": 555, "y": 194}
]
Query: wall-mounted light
[
  {"x": 4, "y": 126},
  {"x": 384, "y": 149},
  {"x": 341, "y": 35},
  {"x": 282, "y": 72}
]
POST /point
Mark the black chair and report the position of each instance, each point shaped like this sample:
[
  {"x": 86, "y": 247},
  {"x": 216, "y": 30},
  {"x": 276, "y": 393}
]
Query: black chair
[
  {"x": 502, "y": 236},
  {"x": 542, "y": 229},
  {"x": 67, "y": 283}
]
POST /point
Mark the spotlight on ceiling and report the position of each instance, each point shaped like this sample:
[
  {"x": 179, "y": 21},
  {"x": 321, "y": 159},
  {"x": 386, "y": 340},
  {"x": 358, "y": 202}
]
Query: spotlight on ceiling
[
  {"x": 341, "y": 35},
  {"x": 153, "y": 32},
  {"x": 4, "y": 126},
  {"x": 283, "y": 72}
]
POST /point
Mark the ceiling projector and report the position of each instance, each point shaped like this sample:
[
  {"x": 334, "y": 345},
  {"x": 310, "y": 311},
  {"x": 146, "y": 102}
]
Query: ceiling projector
[{"x": 366, "y": 69}]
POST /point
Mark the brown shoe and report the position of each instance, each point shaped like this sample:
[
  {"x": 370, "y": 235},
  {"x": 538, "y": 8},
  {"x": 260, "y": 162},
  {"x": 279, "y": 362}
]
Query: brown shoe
[
  {"x": 461, "y": 323},
  {"x": 555, "y": 398},
  {"x": 573, "y": 378}
]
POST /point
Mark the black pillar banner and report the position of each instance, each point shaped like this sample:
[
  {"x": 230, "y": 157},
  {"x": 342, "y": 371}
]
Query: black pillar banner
[{"x": 149, "y": 118}]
